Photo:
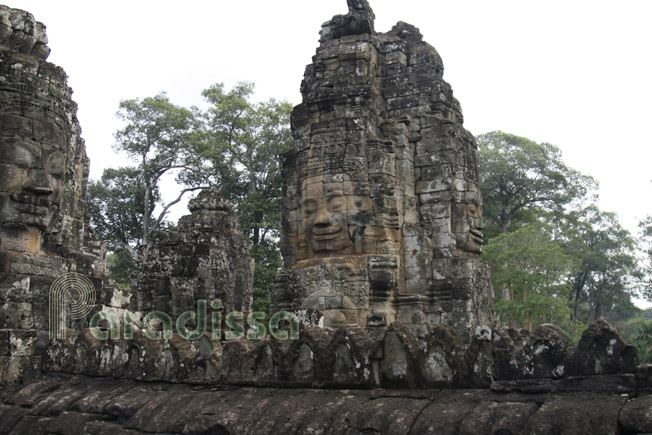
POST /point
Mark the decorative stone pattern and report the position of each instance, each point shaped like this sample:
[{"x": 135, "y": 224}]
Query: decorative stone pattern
[
  {"x": 382, "y": 213},
  {"x": 44, "y": 229},
  {"x": 504, "y": 360},
  {"x": 205, "y": 259}
]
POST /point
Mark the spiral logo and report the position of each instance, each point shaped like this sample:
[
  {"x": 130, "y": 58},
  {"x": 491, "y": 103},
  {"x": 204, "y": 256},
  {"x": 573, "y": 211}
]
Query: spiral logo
[{"x": 72, "y": 295}]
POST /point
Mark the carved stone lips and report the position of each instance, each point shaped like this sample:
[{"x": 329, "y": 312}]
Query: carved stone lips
[
  {"x": 477, "y": 235},
  {"x": 31, "y": 204},
  {"x": 326, "y": 233}
]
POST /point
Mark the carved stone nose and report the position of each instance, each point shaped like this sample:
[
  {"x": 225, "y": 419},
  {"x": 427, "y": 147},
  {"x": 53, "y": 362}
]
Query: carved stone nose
[
  {"x": 38, "y": 184},
  {"x": 323, "y": 218}
]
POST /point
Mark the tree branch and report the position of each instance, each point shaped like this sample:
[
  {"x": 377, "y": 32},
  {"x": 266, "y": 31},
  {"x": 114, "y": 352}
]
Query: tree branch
[{"x": 167, "y": 207}]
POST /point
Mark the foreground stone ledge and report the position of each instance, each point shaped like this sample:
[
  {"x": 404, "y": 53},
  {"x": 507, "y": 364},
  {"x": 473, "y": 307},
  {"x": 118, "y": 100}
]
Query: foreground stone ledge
[
  {"x": 497, "y": 358},
  {"x": 624, "y": 384},
  {"x": 79, "y": 404}
]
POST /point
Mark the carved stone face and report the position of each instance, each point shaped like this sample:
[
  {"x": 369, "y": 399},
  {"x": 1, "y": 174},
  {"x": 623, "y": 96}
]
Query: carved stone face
[
  {"x": 324, "y": 208},
  {"x": 467, "y": 224},
  {"x": 31, "y": 183}
]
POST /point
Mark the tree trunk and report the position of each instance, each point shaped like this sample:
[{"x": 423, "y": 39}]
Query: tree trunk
[
  {"x": 505, "y": 292},
  {"x": 578, "y": 285}
]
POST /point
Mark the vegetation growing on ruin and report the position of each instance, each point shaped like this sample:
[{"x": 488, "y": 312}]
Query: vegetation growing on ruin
[
  {"x": 555, "y": 256},
  {"x": 234, "y": 145}
]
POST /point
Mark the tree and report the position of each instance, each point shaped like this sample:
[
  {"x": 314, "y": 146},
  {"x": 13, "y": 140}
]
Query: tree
[
  {"x": 240, "y": 154},
  {"x": 116, "y": 206},
  {"x": 534, "y": 270},
  {"x": 535, "y": 208},
  {"x": 120, "y": 264},
  {"x": 235, "y": 146},
  {"x": 645, "y": 243},
  {"x": 158, "y": 139},
  {"x": 643, "y": 341},
  {"x": 605, "y": 251},
  {"x": 522, "y": 179}
]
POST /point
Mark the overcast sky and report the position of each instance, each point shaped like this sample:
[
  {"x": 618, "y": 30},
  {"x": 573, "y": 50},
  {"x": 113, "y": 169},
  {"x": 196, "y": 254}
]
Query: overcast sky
[{"x": 577, "y": 74}]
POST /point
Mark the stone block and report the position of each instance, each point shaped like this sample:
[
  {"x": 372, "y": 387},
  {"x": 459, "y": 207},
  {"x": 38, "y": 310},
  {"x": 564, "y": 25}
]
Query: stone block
[{"x": 602, "y": 350}]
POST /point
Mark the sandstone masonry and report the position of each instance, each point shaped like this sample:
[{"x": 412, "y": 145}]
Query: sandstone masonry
[
  {"x": 382, "y": 212},
  {"x": 382, "y": 228}
]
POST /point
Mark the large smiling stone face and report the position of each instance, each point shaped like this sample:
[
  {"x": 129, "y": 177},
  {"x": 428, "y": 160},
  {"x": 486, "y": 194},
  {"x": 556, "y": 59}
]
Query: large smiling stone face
[
  {"x": 330, "y": 207},
  {"x": 31, "y": 183}
]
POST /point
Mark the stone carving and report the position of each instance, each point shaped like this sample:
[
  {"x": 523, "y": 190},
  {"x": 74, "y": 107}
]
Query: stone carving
[
  {"x": 501, "y": 359},
  {"x": 207, "y": 258},
  {"x": 382, "y": 221},
  {"x": 381, "y": 189},
  {"x": 43, "y": 175},
  {"x": 44, "y": 229}
]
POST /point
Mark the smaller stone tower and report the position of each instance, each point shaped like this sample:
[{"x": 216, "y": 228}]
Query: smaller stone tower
[{"x": 206, "y": 258}]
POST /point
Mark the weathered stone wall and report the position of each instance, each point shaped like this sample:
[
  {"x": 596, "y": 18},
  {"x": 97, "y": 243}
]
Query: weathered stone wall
[
  {"x": 381, "y": 231},
  {"x": 500, "y": 359},
  {"x": 382, "y": 212},
  {"x": 78, "y": 404}
]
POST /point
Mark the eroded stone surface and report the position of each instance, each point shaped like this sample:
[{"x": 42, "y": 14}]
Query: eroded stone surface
[
  {"x": 346, "y": 357},
  {"x": 205, "y": 259},
  {"x": 380, "y": 156},
  {"x": 54, "y": 404},
  {"x": 382, "y": 213}
]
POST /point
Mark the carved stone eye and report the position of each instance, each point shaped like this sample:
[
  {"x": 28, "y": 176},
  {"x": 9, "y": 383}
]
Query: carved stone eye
[
  {"x": 309, "y": 208},
  {"x": 55, "y": 164},
  {"x": 21, "y": 157},
  {"x": 337, "y": 203}
]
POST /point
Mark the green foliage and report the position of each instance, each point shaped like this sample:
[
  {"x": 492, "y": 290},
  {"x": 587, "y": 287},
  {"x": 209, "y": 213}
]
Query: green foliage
[
  {"x": 157, "y": 138},
  {"x": 116, "y": 206},
  {"x": 530, "y": 270},
  {"x": 553, "y": 257},
  {"x": 643, "y": 341},
  {"x": 521, "y": 180},
  {"x": 607, "y": 262},
  {"x": 267, "y": 262},
  {"x": 645, "y": 243},
  {"x": 240, "y": 153},
  {"x": 120, "y": 263},
  {"x": 235, "y": 146}
]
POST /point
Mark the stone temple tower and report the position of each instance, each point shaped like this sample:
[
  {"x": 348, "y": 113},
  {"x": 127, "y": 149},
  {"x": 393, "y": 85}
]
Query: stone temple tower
[
  {"x": 44, "y": 229},
  {"x": 382, "y": 212}
]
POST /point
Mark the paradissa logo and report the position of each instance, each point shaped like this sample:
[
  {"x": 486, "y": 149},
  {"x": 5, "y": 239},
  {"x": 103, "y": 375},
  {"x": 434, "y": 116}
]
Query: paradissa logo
[
  {"x": 157, "y": 325},
  {"x": 71, "y": 294}
]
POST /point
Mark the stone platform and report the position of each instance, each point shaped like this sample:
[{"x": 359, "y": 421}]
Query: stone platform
[{"x": 73, "y": 404}]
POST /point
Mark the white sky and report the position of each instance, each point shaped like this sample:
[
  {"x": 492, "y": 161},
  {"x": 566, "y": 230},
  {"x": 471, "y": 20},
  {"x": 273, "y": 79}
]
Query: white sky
[{"x": 577, "y": 74}]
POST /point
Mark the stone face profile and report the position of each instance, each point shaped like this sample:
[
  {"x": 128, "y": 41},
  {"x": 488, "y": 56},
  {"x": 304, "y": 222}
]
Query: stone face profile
[
  {"x": 43, "y": 175},
  {"x": 382, "y": 212}
]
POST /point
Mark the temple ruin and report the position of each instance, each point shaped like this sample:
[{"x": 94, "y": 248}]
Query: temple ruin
[
  {"x": 381, "y": 231},
  {"x": 206, "y": 259}
]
